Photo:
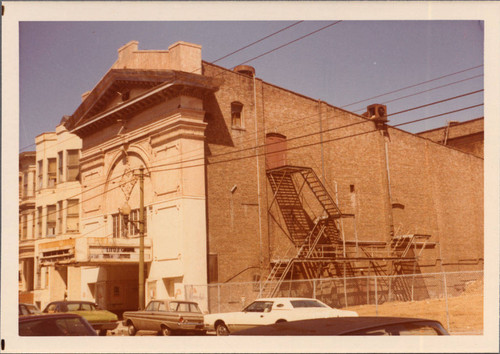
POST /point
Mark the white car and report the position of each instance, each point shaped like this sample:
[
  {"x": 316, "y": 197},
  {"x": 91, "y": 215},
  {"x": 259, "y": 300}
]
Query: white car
[{"x": 271, "y": 310}]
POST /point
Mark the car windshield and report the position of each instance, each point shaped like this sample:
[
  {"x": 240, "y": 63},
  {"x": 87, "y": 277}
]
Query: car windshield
[
  {"x": 153, "y": 306},
  {"x": 73, "y": 326},
  {"x": 28, "y": 309},
  {"x": 259, "y": 306},
  {"x": 306, "y": 303},
  {"x": 77, "y": 306}
]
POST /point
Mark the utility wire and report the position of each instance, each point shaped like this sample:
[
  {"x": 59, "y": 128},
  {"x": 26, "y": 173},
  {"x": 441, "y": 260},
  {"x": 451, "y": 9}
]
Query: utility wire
[
  {"x": 288, "y": 43},
  {"x": 153, "y": 169},
  {"x": 433, "y": 103},
  {"x": 407, "y": 87},
  {"x": 439, "y": 115},
  {"x": 424, "y": 91},
  {"x": 257, "y": 41}
]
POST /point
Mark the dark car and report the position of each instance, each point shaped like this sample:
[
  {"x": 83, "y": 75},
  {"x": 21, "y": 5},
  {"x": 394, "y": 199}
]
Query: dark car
[
  {"x": 28, "y": 309},
  {"x": 57, "y": 324},
  {"x": 101, "y": 320},
  {"x": 350, "y": 326}
]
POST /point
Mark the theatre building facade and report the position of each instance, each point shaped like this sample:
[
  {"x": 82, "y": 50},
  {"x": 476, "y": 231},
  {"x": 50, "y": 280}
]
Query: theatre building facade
[{"x": 245, "y": 181}]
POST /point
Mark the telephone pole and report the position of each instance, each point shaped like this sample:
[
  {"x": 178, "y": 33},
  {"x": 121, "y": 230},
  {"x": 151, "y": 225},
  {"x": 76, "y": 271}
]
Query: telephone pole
[{"x": 141, "y": 239}]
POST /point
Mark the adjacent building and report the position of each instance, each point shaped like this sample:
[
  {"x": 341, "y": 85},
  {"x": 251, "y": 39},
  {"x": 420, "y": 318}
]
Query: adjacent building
[
  {"x": 465, "y": 136},
  {"x": 244, "y": 181}
]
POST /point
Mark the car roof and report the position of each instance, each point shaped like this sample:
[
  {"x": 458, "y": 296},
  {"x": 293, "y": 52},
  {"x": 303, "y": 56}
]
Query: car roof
[
  {"x": 328, "y": 326},
  {"x": 284, "y": 298},
  {"x": 172, "y": 300},
  {"x": 47, "y": 316},
  {"x": 72, "y": 302}
]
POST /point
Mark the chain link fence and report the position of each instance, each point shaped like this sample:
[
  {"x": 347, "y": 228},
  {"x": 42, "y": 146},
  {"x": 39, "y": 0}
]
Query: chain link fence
[{"x": 454, "y": 298}]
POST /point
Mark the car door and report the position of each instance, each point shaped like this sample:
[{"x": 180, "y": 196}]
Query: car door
[
  {"x": 257, "y": 313},
  {"x": 150, "y": 316}
]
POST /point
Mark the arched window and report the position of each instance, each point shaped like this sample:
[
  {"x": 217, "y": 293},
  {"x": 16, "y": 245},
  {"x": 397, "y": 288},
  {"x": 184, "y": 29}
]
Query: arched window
[{"x": 236, "y": 114}]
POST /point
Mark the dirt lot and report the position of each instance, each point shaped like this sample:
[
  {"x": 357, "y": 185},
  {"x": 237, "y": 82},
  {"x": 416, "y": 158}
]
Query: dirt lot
[{"x": 465, "y": 311}]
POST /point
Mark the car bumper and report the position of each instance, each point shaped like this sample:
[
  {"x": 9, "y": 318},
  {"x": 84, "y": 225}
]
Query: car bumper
[
  {"x": 191, "y": 326},
  {"x": 104, "y": 325}
]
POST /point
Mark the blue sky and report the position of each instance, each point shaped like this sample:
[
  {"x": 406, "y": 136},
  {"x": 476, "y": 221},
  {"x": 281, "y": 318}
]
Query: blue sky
[{"x": 342, "y": 64}]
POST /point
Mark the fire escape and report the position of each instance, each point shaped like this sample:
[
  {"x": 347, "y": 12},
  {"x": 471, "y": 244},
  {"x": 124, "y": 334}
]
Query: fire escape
[
  {"x": 314, "y": 232},
  {"x": 316, "y": 238}
]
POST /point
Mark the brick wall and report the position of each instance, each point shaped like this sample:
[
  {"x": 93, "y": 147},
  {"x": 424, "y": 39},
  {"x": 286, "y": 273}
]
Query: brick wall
[{"x": 439, "y": 188}]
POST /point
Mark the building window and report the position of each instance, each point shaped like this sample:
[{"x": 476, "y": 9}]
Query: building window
[
  {"x": 72, "y": 165},
  {"x": 213, "y": 268},
  {"x": 39, "y": 222},
  {"x": 20, "y": 187},
  {"x": 236, "y": 114},
  {"x": 60, "y": 166},
  {"x": 59, "y": 217},
  {"x": 40, "y": 174},
  {"x": 51, "y": 173},
  {"x": 73, "y": 216},
  {"x": 51, "y": 220},
  {"x": 24, "y": 227},
  {"x": 25, "y": 185},
  {"x": 130, "y": 230},
  {"x": 32, "y": 224},
  {"x": 34, "y": 182}
]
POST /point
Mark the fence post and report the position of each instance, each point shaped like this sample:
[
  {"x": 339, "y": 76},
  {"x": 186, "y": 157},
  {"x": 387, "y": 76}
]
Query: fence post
[
  {"x": 345, "y": 286},
  {"x": 376, "y": 297},
  {"x": 218, "y": 298},
  {"x": 446, "y": 301},
  {"x": 368, "y": 290}
]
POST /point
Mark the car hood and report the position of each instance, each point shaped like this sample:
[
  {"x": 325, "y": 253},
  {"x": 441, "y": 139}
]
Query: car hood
[{"x": 97, "y": 315}]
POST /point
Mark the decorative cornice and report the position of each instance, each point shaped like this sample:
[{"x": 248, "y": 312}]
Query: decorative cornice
[{"x": 168, "y": 85}]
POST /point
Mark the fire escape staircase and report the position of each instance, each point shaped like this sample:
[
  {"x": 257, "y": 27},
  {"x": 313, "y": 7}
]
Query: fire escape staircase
[
  {"x": 316, "y": 240},
  {"x": 405, "y": 248}
]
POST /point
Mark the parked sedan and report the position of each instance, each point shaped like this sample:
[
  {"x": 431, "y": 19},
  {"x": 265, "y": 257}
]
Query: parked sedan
[
  {"x": 57, "y": 324},
  {"x": 350, "y": 326},
  {"x": 101, "y": 320},
  {"x": 271, "y": 310},
  {"x": 167, "y": 317}
]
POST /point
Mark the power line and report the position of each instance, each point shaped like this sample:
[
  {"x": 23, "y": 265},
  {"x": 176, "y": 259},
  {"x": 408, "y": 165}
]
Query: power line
[
  {"x": 287, "y": 149},
  {"x": 257, "y": 41},
  {"x": 439, "y": 115},
  {"x": 153, "y": 169},
  {"x": 417, "y": 84},
  {"x": 407, "y": 87},
  {"x": 288, "y": 43},
  {"x": 433, "y": 103},
  {"x": 428, "y": 90}
]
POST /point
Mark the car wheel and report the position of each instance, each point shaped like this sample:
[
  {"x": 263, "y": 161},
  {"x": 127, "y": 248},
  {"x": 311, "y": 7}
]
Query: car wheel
[
  {"x": 165, "y": 331},
  {"x": 221, "y": 330},
  {"x": 280, "y": 321},
  {"x": 103, "y": 332},
  {"x": 132, "y": 331}
]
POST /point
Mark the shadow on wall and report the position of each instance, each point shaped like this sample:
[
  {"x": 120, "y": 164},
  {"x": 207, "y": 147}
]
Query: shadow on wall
[{"x": 217, "y": 131}]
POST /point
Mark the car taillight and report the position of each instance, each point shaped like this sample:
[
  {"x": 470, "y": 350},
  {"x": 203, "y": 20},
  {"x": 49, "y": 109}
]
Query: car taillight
[{"x": 181, "y": 319}]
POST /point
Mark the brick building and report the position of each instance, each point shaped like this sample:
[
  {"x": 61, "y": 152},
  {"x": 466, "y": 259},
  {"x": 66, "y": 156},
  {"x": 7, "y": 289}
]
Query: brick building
[
  {"x": 465, "y": 136},
  {"x": 245, "y": 181}
]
